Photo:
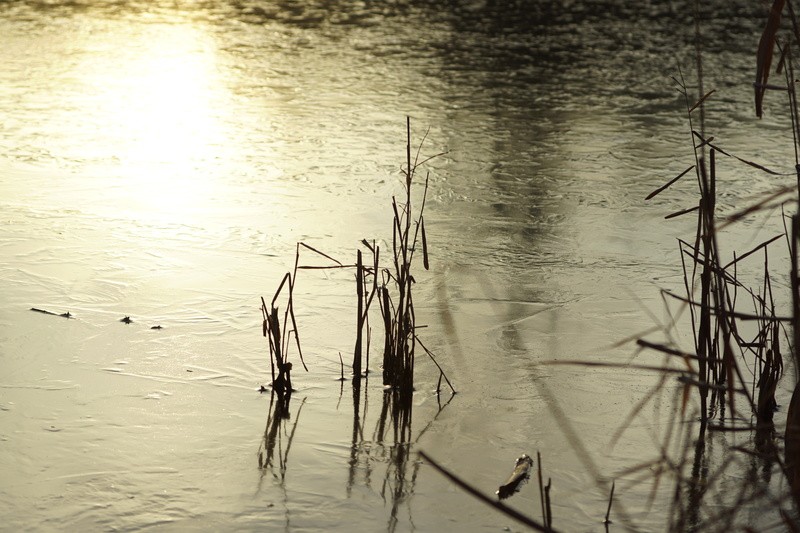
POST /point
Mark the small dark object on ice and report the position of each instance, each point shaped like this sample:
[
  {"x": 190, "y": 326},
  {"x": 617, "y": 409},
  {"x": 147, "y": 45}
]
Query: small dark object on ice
[
  {"x": 65, "y": 315},
  {"x": 126, "y": 320},
  {"x": 262, "y": 388},
  {"x": 520, "y": 474},
  {"x": 156, "y": 327}
]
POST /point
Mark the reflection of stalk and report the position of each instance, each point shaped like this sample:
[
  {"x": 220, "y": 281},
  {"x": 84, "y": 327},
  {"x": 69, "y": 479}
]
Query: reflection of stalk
[
  {"x": 278, "y": 415},
  {"x": 696, "y": 485},
  {"x": 395, "y": 480},
  {"x": 392, "y": 442},
  {"x": 357, "y": 436}
]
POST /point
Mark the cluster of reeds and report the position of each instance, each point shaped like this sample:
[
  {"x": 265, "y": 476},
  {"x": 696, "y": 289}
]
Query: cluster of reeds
[
  {"x": 391, "y": 285},
  {"x": 719, "y": 338},
  {"x": 734, "y": 326},
  {"x": 739, "y": 341},
  {"x": 395, "y": 294},
  {"x": 399, "y": 319},
  {"x": 726, "y": 339},
  {"x": 280, "y": 330}
]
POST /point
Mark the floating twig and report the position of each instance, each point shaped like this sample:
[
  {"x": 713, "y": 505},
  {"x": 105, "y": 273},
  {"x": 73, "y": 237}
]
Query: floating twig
[
  {"x": 520, "y": 474},
  {"x": 508, "y": 511},
  {"x": 64, "y": 315}
]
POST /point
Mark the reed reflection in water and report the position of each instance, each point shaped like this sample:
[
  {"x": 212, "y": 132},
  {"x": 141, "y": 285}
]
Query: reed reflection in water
[
  {"x": 380, "y": 460},
  {"x": 390, "y": 445}
]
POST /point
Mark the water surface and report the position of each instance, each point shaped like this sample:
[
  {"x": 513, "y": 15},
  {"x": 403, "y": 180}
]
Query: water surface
[{"x": 160, "y": 161}]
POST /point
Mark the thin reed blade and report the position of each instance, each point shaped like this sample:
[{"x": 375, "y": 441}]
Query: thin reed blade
[
  {"x": 766, "y": 47},
  {"x": 425, "y": 262},
  {"x": 703, "y": 99},
  {"x": 672, "y": 181}
]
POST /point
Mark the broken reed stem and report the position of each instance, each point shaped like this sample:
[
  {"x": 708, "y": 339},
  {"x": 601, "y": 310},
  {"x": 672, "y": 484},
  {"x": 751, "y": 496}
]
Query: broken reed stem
[
  {"x": 435, "y": 362},
  {"x": 359, "y": 317},
  {"x": 290, "y": 308},
  {"x": 267, "y": 332},
  {"x": 275, "y": 329},
  {"x": 388, "y": 331},
  {"x": 795, "y": 282},
  {"x": 376, "y": 253},
  {"x": 706, "y": 347},
  {"x": 793, "y": 113},
  {"x": 607, "y": 520},
  {"x": 279, "y": 334}
]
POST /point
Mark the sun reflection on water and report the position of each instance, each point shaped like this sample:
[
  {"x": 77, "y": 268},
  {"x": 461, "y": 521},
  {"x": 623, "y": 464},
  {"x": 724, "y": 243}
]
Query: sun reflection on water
[
  {"x": 161, "y": 100},
  {"x": 158, "y": 109}
]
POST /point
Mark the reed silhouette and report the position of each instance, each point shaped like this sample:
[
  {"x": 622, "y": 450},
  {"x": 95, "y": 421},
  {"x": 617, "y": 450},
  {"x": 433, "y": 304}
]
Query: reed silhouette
[{"x": 392, "y": 285}]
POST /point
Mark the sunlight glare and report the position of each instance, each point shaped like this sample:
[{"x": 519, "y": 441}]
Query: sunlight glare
[{"x": 163, "y": 107}]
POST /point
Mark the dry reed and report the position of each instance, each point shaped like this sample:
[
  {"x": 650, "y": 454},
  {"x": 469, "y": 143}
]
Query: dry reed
[{"x": 392, "y": 285}]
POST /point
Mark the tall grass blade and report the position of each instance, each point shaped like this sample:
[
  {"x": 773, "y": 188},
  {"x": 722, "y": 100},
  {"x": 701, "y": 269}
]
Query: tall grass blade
[
  {"x": 669, "y": 183},
  {"x": 766, "y": 47}
]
